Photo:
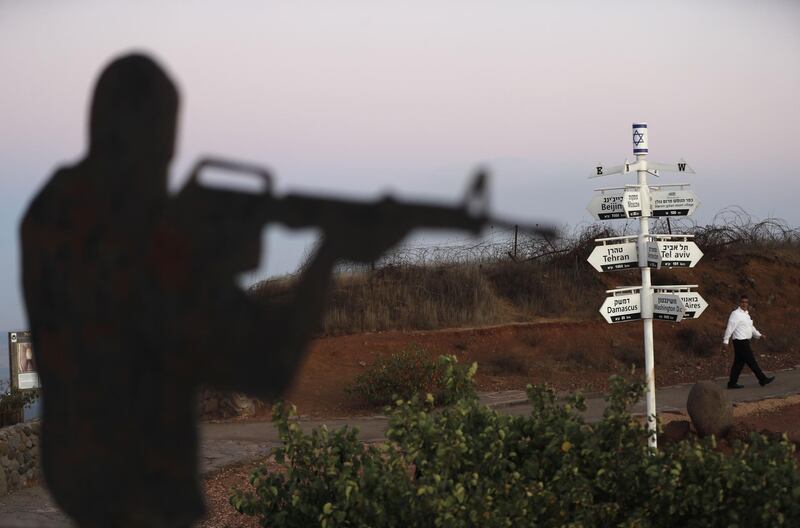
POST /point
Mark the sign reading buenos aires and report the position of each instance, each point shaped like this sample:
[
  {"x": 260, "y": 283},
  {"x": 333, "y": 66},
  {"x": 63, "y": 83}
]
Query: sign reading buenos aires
[{"x": 693, "y": 302}]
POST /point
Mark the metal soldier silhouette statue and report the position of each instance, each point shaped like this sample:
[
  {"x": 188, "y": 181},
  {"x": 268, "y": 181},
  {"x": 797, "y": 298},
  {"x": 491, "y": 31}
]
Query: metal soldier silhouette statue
[{"x": 130, "y": 293}]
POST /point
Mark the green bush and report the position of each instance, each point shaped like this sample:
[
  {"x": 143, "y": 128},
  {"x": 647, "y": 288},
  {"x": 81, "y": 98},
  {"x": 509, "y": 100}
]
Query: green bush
[
  {"x": 13, "y": 401},
  {"x": 454, "y": 381},
  {"x": 400, "y": 375},
  {"x": 410, "y": 372},
  {"x": 468, "y": 465}
]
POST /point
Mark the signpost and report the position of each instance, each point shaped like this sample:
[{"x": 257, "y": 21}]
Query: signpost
[
  {"x": 629, "y": 202},
  {"x": 673, "y": 200},
  {"x": 632, "y": 203},
  {"x": 619, "y": 253},
  {"x": 652, "y": 256},
  {"x": 21, "y": 363},
  {"x": 646, "y": 251},
  {"x": 615, "y": 253},
  {"x": 607, "y": 205},
  {"x": 668, "y": 307},
  {"x": 678, "y": 251},
  {"x": 693, "y": 303},
  {"x": 622, "y": 305}
]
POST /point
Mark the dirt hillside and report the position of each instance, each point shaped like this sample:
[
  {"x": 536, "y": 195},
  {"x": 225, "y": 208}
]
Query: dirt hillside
[{"x": 581, "y": 352}]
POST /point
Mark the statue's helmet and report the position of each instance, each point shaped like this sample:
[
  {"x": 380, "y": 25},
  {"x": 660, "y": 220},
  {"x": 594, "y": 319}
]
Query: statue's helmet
[{"x": 134, "y": 111}]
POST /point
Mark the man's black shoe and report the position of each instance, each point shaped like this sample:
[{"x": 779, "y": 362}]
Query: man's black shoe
[
  {"x": 766, "y": 381},
  {"x": 735, "y": 386}
]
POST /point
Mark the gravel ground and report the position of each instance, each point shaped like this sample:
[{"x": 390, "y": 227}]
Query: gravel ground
[{"x": 216, "y": 488}]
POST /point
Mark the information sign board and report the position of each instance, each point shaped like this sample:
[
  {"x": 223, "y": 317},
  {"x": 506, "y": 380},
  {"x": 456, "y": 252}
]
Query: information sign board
[
  {"x": 607, "y": 205},
  {"x": 632, "y": 203},
  {"x": 667, "y": 307},
  {"x": 678, "y": 252},
  {"x": 614, "y": 256},
  {"x": 622, "y": 308},
  {"x": 21, "y": 361},
  {"x": 673, "y": 202}
]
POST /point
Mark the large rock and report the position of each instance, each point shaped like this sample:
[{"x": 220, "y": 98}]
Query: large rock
[{"x": 709, "y": 408}]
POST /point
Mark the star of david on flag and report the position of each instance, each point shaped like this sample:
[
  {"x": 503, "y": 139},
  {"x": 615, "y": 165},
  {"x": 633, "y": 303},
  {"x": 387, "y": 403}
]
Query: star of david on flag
[{"x": 638, "y": 138}]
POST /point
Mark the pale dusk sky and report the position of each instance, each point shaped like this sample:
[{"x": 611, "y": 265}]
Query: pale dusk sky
[{"x": 369, "y": 96}]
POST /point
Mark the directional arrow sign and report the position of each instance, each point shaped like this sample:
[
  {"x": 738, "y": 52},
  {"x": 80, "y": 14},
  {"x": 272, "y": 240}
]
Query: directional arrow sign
[
  {"x": 693, "y": 303},
  {"x": 681, "y": 166},
  {"x": 625, "y": 168},
  {"x": 632, "y": 203},
  {"x": 607, "y": 205},
  {"x": 678, "y": 252},
  {"x": 676, "y": 202},
  {"x": 614, "y": 256},
  {"x": 667, "y": 307},
  {"x": 619, "y": 253},
  {"x": 622, "y": 308},
  {"x": 653, "y": 256}
]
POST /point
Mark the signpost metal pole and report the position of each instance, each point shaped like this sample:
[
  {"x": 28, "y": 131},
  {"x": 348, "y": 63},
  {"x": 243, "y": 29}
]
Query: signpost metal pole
[
  {"x": 640, "y": 149},
  {"x": 667, "y": 303}
]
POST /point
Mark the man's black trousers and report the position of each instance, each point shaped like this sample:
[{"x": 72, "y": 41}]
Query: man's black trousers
[{"x": 743, "y": 355}]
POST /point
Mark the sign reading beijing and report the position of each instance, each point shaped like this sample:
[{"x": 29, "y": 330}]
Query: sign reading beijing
[{"x": 607, "y": 205}]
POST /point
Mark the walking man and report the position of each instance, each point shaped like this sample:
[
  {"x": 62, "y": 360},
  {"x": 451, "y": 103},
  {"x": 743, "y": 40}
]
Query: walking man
[{"x": 741, "y": 329}]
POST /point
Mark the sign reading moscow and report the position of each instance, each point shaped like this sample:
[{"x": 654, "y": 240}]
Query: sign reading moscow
[
  {"x": 632, "y": 203},
  {"x": 678, "y": 253}
]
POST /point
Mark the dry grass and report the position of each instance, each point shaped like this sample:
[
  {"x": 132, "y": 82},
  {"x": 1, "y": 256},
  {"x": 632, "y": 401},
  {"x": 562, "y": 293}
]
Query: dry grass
[{"x": 476, "y": 285}]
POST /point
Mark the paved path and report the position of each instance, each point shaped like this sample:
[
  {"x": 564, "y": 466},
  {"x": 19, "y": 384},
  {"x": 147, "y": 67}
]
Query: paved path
[{"x": 227, "y": 443}]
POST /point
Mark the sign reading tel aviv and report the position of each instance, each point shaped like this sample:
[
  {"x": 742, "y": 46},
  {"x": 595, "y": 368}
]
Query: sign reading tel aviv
[
  {"x": 668, "y": 251},
  {"x": 678, "y": 251}
]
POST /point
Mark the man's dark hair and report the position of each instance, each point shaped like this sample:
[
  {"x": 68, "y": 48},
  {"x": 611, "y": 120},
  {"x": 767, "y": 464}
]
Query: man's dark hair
[{"x": 743, "y": 298}]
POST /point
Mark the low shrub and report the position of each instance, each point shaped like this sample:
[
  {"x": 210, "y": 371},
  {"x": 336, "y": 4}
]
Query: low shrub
[
  {"x": 507, "y": 363},
  {"x": 468, "y": 465},
  {"x": 697, "y": 342},
  {"x": 411, "y": 371},
  {"x": 629, "y": 355},
  {"x": 455, "y": 381},
  {"x": 400, "y": 375},
  {"x": 14, "y": 401}
]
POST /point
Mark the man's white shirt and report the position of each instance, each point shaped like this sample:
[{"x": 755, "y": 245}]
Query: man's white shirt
[{"x": 740, "y": 326}]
